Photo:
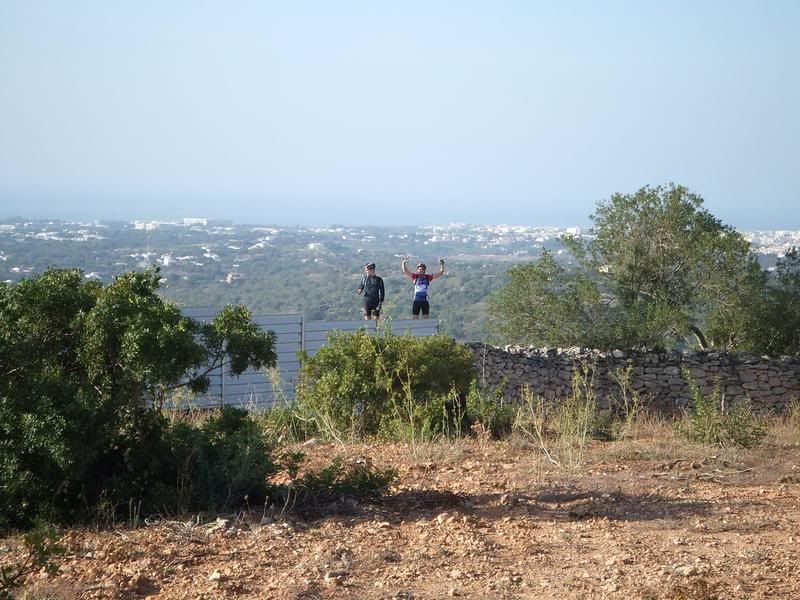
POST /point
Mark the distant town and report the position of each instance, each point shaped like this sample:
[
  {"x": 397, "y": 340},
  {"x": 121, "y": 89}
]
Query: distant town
[{"x": 24, "y": 244}]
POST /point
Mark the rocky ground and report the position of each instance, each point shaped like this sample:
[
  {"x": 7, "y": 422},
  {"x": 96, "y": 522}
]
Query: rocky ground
[{"x": 480, "y": 519}]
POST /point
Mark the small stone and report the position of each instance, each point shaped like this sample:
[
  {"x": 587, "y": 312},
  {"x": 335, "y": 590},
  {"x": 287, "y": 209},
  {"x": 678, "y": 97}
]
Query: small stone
[{"x": 686, "y": 570}]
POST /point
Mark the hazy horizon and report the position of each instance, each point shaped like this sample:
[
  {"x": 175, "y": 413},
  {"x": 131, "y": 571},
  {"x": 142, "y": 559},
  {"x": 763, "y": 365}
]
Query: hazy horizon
[
  {"x": 313, "y": 114},
  {"x": 177, "y": 220}
]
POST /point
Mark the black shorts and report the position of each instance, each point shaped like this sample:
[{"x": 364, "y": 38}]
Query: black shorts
[
  {"x": 371, "y": 306},
  {"x": 420, "y": 305}
]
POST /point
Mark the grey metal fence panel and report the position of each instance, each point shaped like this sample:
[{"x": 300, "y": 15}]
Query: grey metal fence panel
[
  {"x": 416, "y": 327},
  {"x": 260, "y": 390},
  {"x": 340, "y": 325}
]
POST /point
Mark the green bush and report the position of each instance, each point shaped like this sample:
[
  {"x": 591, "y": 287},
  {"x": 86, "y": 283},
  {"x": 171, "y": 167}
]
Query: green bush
[
  {"x": 489, "y": 410},
  {"x": 178, "y": 467},
  {"x": 340, "y": 479},
  {"x": 288, "y": 423},
  {"x": 435, "y": 417},
  {"x": 359, "y": 382},
  {"x": 41, "y": 544},
  {"x": 711, "y": 422},
  {"x": 237, "y": 461},
  {"x": 82, "y": 369}
]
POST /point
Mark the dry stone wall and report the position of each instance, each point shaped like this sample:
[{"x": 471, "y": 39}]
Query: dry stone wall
[{"x": 769, "y": 383}]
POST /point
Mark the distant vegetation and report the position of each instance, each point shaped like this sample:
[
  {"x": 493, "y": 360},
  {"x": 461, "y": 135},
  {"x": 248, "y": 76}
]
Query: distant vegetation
[
  {"x": 300, "y": 269},
  {"x": 274, "y": 270}
]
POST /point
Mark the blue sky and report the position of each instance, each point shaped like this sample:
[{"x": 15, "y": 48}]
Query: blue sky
[{"x": 301, "y": 113}]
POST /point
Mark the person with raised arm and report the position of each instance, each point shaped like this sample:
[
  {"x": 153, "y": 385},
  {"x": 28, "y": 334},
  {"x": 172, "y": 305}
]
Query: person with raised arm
[{"x": 422, "y": 281}]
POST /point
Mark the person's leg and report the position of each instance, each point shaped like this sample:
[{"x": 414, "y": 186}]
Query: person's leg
[
  {"x": 426, "y": 309},
  {"x": 415, "y": 308},
  {"x": 367, "y": 309}
]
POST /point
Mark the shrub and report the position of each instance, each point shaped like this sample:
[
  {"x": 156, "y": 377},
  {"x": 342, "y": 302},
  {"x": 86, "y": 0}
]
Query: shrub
[
  {"x": 561, "y": 430},
  {"x": 711, "y": 422},
  {"x": 41, "y": 544},
  {"x": 488, "y": 410},
  {"x": 339, "y": 480},
  {"x": 80, "y": 365},
  {"x": 237, "y": 461},
  {"x": 627, "y": 407},
  {"x": 435, "y": 417},
  {"x": 178, "y": 467},
  {"x": 358, "y": 382}
]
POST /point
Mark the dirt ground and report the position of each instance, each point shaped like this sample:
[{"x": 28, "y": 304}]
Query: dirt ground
[{"x": 480, "y": 519}]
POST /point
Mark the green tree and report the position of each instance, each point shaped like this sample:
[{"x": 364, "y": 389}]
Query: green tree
[
  {"x": 657, "y": 270},
  {"x": 83, "y": 365},
  {"x": 544, "y": 304},
  {"x": 775, "y": 326}
]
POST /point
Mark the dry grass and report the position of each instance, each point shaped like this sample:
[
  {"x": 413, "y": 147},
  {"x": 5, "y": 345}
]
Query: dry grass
[
  {"x": 784, "y": 431},
  {"x": 440, "y": 451}
]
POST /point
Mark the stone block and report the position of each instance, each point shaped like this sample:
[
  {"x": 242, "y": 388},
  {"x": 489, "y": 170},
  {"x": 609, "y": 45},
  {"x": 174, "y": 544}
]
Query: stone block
[{"x": 746, "y": 376}]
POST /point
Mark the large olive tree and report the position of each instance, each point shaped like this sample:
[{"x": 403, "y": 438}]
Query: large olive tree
[{"x": 656, "y": 270}]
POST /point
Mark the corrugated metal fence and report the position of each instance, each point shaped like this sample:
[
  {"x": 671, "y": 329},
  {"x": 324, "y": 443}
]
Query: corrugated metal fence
[{"x": 258, "y": 389}]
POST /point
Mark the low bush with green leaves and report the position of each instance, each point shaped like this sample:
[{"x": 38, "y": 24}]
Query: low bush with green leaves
[
  {"x": 42, "y": 547},
  {"x": 712, "y": 422},
  {"x": 358, "y": 382},
  {"x": 339, "y": 480},
  {"x": 163, "y": 466},
  {"x": 489, "y": 411}
]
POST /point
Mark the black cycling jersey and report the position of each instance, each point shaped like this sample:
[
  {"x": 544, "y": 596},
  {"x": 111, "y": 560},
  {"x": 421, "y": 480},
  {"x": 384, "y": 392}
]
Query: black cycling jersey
[{"x": 373, "y": 287}]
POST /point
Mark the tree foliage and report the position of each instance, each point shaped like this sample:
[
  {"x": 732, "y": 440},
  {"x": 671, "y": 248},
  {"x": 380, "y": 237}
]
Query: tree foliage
[
  {"x": 82, "y": 365},
  {"x": 657, "y": 270},
  {"x": 544, "y": 304},
  {"x": 775, "y": 329}
]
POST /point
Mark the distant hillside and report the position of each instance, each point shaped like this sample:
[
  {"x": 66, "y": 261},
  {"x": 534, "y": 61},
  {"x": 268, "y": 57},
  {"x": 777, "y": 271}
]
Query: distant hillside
[{"x": 297, "y": 269}]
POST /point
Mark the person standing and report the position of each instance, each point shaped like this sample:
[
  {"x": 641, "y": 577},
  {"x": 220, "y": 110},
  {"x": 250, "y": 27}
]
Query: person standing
[
  {"x": 372, "y": 288},
  {"x": 421, "y": 282}
]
